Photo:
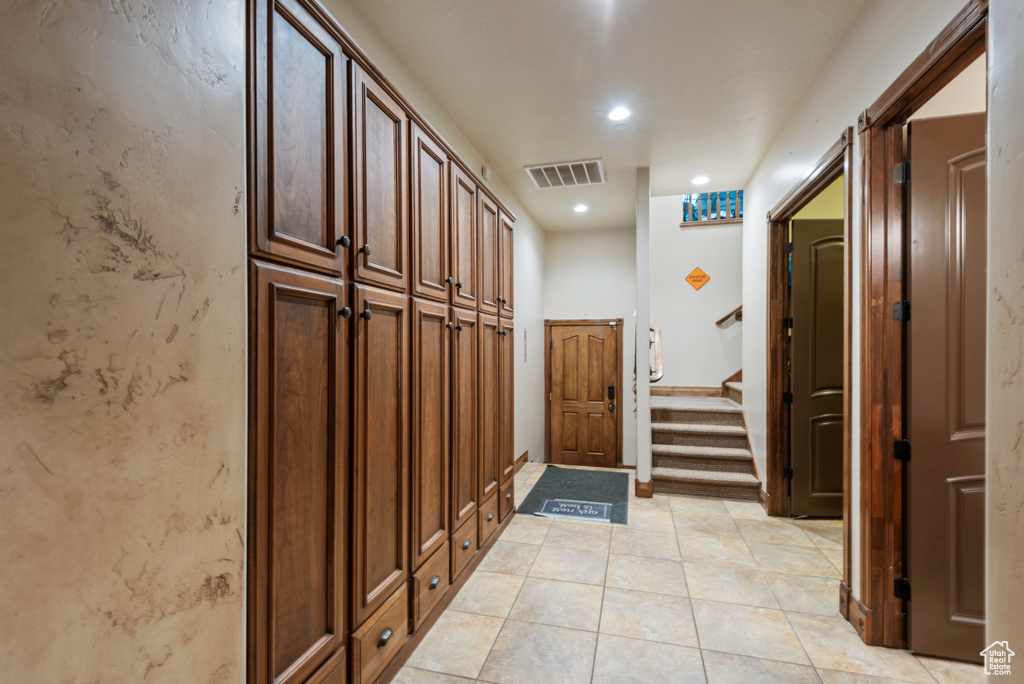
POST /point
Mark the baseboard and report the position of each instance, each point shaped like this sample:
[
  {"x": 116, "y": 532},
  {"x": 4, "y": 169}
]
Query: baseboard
[
  {"x": 857, "y": 614},
  {"x": 644, "y": 490},
  {"x": 844, "y": 600},
  {"x": 622, "y": 466},
  {"x": 762, "y": 497},
  {"x": 686, "y": 391},
  {"x": 521, "y": 461}
]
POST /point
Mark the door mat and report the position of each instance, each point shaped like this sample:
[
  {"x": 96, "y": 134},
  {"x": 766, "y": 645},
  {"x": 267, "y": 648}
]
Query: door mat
[
  {"x": 590, "y": 486},
  {"x": 577, "y": 510}
]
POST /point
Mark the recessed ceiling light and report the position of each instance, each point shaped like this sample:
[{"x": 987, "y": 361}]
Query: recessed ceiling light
[
  {"x": 580, "y": 208},
  {"x": 700, "y": 180},
  {"x": 619, "y": 113}
]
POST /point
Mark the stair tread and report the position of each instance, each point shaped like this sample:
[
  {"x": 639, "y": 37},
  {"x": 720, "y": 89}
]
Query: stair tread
[
  {"x": 731, "y": 453},
  {"x": 689, "y": 405},
  {"x": 700, "y": 428},
  {"x": 735, "y": 385},
  {"x": 705, "y": 476}
]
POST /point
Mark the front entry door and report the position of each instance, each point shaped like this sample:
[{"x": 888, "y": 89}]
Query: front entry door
[
  {"x": 583, "y": 371},
  {"x": 946, "y": 386},
  {"x": 816, "y": 360}
]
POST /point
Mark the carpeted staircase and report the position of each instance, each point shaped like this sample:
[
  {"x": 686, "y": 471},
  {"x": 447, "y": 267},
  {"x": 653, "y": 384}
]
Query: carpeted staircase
[
  {"x": 699, "y": 447},
  {"x": 734, "y": 391}
]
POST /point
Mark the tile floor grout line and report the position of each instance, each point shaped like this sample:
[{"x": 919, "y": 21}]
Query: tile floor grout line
[{"x": 689, "y": 596}]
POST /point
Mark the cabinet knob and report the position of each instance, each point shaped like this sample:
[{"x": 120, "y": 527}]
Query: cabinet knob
[
  {"x": 502, "y": 300},
  {"x": 458, "y": 327},
  {"x": 490, "y": 517},
  {"x": 459, "y": 284},
  {"x": 384, "y": 638},
  {"x": 508, "y": 496},
  {"x": 449, "y": 280},
  {"x": 465, "y": 545},
  {"x": 365, "y": 249},
  {"x": 434, "y": 582},
  {"x": 345, "y": 241},
  {"x": 449, "y": 325},
  {"x": 346, "y": 312},
  {"x": 367, "y": 314}
]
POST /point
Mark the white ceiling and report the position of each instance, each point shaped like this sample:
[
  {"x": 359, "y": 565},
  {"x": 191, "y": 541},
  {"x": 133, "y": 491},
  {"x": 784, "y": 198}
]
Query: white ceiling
[{"x": 710, "y": 83}]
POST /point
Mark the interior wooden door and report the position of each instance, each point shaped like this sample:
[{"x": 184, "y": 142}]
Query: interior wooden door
[
  {"x": 490, "y": 245},
  {"x": 297, "y": 495},
  {"x": 380, "y": 369},
  {"x": 816, "y": 362},
  {"x": 429, "y": 217},
  {"x": 464, "y": 415},
  {"x": 300, "y": 140},
  {"x": 946, "y": 361},
  {"x": 506, "y": 377},
  {"x": 379, "y": 132},
  {"x": 489, "y": 401},
  {"x": 584, "y": 391},
  {"x": 431, "y": 378},
  {"x": 506, "y": 281},
  {"x": 465, "y": 240}
]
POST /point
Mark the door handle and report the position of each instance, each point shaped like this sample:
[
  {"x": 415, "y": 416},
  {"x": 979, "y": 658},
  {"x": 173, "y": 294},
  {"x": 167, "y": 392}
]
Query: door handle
[{"x": 611, "y": 405}]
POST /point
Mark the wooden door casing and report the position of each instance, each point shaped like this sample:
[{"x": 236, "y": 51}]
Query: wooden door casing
[
  {"x": 300, "y": 152},
  {"x": 506, "y": 438},
  {"x": 464, "y": 239},
  {"x": 430, "y": 226},
  {"x": 297, "y": 485},
  {"x": 489, "y": 262},
  {"x": 946, "y": 359},
  {"x": 816, "y": 362},
  {"x": 506, "y": 280},
  {"x": 381, "y": 233},
  {"x": 380, "y": 370},
  {"x": 464, "y": 392},
  {"x": 489, "y": 417},
  {"x": 431, "y": 378}
]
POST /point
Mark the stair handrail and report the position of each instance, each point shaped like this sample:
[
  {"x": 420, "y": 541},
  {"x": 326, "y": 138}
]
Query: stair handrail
[
  {"x": 658, "y": 372},
  {"x": 737, "y": 312}
]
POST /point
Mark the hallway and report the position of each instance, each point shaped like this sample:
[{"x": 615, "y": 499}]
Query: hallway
[{"x": 691, "y": 590}]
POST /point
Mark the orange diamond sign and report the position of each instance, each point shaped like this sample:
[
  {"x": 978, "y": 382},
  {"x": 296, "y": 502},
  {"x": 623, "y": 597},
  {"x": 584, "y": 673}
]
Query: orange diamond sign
[{"x": 698, "y": 278}]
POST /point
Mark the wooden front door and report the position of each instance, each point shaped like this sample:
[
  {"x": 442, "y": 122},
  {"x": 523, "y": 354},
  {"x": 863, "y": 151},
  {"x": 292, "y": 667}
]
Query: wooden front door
[
  {"x": 946, "y": 386},
  {"x": 584, "y": 383},
  {"x": 816, "y": 362}
]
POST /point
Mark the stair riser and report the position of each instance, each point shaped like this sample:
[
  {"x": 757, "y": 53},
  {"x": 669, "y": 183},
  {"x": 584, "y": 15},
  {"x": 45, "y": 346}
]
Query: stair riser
[
  {"x": 735, "y": 394},
  {"x": 696, "y": 463},
  {"x": 686, "y": 439},
  {"x": 733, "y": 492},
  {"x": 682, "y": 416}
]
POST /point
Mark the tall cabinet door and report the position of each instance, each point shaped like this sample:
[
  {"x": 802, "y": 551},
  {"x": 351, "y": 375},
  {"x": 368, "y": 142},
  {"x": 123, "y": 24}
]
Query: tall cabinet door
[
  {"x": 431, "y": 378},
  {"x": 381, "y": 232},
  {"x": 506, "y": 441},
  {"x": 490, "y": 244},
  {"x": 489, "y": 419},
  {"x": 297, "y": 461},
  {"x": 464, "y": 415},
  {"x": 380, "y": 510},
  {"x": 465, "y": 237},
  {"x": 430, "y": 270},
  {"x": 506, "y": 285},
  {"x": 300, "y": 159}
]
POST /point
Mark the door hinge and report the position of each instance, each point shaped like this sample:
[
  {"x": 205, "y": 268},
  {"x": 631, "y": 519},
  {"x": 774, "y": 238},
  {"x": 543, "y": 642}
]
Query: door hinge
[
  {"x": 787, "y": 397},
  {"x": 787, "y": 472},
  {"x": 901, "y": 173},
  {"x": 901, "y": 450},
  {"x": 787, "y": 323},
  {"x": 787, "y": 248},
  {"x": 901, "y": 588},
  {"x": 901, "y": 311}
]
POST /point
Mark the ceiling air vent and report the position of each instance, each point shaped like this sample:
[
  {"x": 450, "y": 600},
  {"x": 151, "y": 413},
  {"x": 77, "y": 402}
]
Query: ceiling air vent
[{"x": 567, "y": 174}]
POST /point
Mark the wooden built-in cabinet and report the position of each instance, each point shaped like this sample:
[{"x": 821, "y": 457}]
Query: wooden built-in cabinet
[
  {"x": 380, "y": 203},
  {"x": 298, "y": 469},
  {"x": 380, "y": 433}
]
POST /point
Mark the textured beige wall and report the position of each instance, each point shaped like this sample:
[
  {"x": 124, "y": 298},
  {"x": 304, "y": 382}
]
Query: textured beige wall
[{"x": 122, "y": 342}]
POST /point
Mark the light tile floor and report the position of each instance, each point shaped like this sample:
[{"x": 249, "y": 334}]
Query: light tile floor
[{"x": 691, "y": 590}]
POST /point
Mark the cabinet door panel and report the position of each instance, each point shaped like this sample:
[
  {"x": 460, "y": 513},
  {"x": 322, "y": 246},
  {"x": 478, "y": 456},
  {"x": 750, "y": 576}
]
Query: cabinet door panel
[
  {"x": 490, "y": 244},
  {"x": 429, "y": 218},
  {"x": 506, "y": 439},
  {"x": 506, "y": 284},
  {"x": 489, "y": 419},
  {"x": 381, "y": 231},
  {"x": 464, "y": 416},
  {"x": 300, "y": 152},
  {"x": 431, "y": 348},
  {"x": 381, "y": 474},
  {"x": 465, "y": 237},
  {"x": 298, "y": 575}
]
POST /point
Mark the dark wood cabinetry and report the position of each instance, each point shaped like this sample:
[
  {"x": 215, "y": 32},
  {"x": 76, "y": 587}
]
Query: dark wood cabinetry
[
  {"x": 506, "y": 438},
  {"x": 380, "y": 429},
  {"x": 489, "y": 418},
  {"x": 297, "y": 564},
  {"x": 465, "y": 237},
  {"x": 490, "y": 245},
  {"x": 430, "y": 265},
  {"x": 464, "y": 416},
  {"x": 506, "y": 292},
  {"x": 381, "y": 240}
]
